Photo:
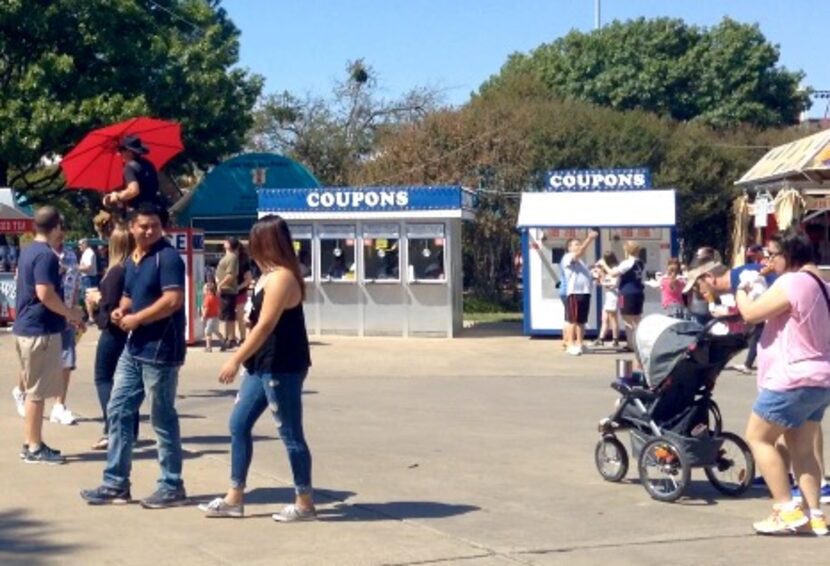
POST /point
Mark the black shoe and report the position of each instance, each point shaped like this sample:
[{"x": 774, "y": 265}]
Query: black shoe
[
  {"x": 164, "y": 498},
  {"x": 224, "y": 346},
  {"x": 105, "y": 495},
  {"x": 44, "y": 455}
]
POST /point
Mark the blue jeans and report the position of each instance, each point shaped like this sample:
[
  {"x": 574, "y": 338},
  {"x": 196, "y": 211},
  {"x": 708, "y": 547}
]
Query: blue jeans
[
  {"x": 110, "y": 345},
  {"x": 134, "y": 379},
  {"x": 282, "y": 393}
]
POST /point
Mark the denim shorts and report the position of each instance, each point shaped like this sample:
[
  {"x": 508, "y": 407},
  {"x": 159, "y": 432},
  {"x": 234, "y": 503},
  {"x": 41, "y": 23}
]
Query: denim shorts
[
  {"x": 68, "y": 356},
  {"x": 792, "y": 408}
]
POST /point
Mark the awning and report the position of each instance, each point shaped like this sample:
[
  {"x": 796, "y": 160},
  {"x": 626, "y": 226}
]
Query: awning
[
  {"x": 796, "y": 159},
  {"x": 609, "y": 209}
]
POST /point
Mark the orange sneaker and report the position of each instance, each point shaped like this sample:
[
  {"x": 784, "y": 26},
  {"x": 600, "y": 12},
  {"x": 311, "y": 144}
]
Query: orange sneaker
[{"x": 782, "y": 522}]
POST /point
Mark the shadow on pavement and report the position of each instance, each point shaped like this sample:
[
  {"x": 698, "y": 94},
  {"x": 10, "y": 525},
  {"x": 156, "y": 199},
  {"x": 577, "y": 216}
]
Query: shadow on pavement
[
  {"x": 101, "y": 456},
  {"x": 222, "y": 393},
  {"x": 24, "y": 540},
  {"x": 499, "y": 329},
  {"x": 220, "y": 439},
  {"x": 394, "y": 511},
  {"x": 700, "y": 492}
]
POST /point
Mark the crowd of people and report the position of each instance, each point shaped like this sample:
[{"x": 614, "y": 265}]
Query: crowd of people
[{"x": 138, "y": 305}]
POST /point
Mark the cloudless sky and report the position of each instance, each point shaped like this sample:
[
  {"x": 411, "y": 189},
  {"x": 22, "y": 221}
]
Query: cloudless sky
[{"x": 454, "y": 45}]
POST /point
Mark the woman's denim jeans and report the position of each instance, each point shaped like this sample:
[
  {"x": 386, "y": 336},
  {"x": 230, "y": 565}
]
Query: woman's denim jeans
[
  {"x": 110, "y": 346},
  {"x": 282, "y": 394}
]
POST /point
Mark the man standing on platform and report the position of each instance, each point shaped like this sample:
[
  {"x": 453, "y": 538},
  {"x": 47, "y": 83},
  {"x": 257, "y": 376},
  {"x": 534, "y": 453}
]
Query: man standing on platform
[{"x": 227, "y": 278}]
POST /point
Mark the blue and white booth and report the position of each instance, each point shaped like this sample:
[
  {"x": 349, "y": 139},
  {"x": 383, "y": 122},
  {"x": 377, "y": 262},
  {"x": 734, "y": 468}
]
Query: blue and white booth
[
  {"x": 621, "y": 205},
  {"x": 378, "y": 261}
]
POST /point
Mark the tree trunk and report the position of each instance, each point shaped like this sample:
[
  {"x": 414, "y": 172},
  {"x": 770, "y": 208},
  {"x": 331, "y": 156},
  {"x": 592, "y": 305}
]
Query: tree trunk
[{"x": 4, "y": 177}]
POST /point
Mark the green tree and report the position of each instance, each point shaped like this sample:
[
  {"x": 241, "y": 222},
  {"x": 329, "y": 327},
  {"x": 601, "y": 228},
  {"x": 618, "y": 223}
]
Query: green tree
[
  {"x": 69, "y": 66},
  {"x": 332, "y": 136},
  {"x": 723, "y": 76}
]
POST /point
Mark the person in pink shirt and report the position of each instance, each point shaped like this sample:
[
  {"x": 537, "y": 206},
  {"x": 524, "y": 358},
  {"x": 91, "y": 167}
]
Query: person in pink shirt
[
  {"x": 793, "y": 383},
  {"x": 671, "y": 289}
]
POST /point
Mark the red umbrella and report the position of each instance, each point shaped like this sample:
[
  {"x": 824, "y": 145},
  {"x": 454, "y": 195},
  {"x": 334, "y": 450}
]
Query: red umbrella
[{"x": 95, "y": 163}]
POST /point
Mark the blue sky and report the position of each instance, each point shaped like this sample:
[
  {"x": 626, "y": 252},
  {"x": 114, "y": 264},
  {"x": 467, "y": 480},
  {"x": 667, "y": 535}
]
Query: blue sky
[{"x": 303, "y": 45}]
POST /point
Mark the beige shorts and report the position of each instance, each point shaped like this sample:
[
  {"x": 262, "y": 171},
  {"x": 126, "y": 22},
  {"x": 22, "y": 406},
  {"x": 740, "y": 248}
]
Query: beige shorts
[{"x": 42, "y": 365}]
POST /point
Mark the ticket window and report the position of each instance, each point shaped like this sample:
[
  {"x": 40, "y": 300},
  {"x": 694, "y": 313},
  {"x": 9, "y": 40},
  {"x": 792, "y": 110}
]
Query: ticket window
[
  {"x": 381, "y": 253},
  {"x": 337, "y": 253},
  {"x": 302, "y": 236},
  {"x": 427, "y": 261}
]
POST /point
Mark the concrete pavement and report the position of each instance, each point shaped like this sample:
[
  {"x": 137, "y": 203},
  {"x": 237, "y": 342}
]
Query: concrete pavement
[{"x": 473, "y": 451}]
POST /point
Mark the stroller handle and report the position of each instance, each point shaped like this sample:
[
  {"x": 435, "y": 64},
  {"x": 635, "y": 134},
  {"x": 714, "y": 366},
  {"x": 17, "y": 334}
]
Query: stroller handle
[{"x": 725, "y": 319}]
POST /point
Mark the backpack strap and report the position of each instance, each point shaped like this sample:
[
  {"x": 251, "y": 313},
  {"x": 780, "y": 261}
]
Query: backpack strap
[{"x": 822, "y": 286}]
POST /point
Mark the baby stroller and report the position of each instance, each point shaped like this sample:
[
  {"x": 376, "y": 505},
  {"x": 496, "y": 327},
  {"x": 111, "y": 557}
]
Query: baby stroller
[{"x": 673, "y": 422}]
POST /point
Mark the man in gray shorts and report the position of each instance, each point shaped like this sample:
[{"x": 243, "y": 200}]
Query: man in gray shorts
[{"x": 41, "y": 318}]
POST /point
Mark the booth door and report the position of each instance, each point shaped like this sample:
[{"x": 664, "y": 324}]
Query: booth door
[
  {"x": 303, "y": 236},
  {"x": 545, "y": 311},
  {"x": 381, "y": 287},
  {"x": 339, "y": 299},
  {"x": 430, "y": 309}
]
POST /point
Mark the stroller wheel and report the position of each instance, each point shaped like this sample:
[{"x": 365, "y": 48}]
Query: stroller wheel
[
  {"x": 734, "y": 469},
  {"x": 664, "y": 469},
  {"x": 611, "y": 459}
]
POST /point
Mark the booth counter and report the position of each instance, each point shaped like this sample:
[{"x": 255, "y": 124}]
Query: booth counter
[
  {"x": 378, "y": 261},
  {"x": 619, "y": 211}
]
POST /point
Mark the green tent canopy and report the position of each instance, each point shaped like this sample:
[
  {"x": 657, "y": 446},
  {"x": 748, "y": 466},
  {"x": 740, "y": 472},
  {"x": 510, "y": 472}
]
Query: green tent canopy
[{"x": 225, "y": 202}]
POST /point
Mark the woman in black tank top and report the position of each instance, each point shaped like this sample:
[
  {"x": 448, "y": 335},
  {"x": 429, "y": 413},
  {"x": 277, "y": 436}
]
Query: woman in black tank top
[{"x": 276, "y": 360}]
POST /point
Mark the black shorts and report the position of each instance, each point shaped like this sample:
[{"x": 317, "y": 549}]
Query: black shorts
[
  {"x": 577, "y": 308},
  {"x": 632, "y": 305},
  {"x": 227, "y": 310}
]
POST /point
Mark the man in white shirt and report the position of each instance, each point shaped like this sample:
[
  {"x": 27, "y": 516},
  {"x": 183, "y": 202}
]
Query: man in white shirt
[
  {"x": 578, "y": 281},
  {"x": 88, "y": 266}
]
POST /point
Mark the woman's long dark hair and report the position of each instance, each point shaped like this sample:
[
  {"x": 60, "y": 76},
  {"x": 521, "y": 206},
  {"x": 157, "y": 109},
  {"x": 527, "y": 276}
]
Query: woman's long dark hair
[{"x": 271, "y": 246}]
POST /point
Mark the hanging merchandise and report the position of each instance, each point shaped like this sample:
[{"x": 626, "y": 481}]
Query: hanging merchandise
[
  {"x": 740, "y": 229},
  {"x": 761, "y": 211},
  {"x": 338, "y": 252},
  {"x": 789, "y": 206},
  {"x": 381, "y": 244}
]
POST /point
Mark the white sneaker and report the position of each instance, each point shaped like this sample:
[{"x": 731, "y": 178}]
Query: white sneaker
[
  {"x": 61, "y": 415},
  {"x": 575, "y": 350},
  {"x": 19, "y": 400}
]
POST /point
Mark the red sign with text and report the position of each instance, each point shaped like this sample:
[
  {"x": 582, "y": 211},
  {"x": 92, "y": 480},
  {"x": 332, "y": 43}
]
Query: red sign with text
[{"x": 17, "y": 226}]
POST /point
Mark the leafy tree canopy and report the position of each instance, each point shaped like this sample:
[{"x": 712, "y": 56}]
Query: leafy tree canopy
[
  {"x": 69, "y": 66},
  {"x": 332, "y": 136},
  {"x": 723, "y": 76}
]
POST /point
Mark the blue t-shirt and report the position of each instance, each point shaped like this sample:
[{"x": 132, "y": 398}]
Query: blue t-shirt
[
  {"x": 160, "y": 269},
  {"x": 38, "y": 265},
  {"x": 735, "y": 274}
]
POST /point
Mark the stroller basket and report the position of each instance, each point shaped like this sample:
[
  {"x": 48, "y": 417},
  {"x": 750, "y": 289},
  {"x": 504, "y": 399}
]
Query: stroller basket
[{"x": 701, "y": 451}]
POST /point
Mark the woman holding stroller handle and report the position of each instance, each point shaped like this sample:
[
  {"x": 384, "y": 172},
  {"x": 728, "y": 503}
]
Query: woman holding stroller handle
[
  {"x": 276, "y": 359},
  {"x": 793, "y": 382}
]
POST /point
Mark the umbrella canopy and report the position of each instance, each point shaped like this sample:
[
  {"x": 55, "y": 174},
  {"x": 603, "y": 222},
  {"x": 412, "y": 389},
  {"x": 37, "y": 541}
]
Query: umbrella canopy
[{"x": 95, "y": 163}]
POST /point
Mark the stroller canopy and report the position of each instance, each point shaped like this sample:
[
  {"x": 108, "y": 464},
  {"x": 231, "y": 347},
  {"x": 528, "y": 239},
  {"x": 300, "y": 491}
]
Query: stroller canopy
[{"x": 661, "y": 342}]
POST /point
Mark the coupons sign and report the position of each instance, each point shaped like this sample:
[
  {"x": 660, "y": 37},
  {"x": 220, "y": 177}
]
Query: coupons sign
[{"x": 577, "y": 180}]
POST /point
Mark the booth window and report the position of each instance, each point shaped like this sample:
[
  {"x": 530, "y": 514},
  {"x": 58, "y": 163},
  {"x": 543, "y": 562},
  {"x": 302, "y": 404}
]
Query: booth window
[
  {"x": 381, "y": 252},
  {"x": 302, "y": 236},
  {"x": 426, "y": 252},
  {"x": 337, "y": 253}
]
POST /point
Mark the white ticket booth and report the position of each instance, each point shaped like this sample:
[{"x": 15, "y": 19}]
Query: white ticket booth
[
  {"x": 378, "y": 261},
  {"x": 548, "y": 220}
]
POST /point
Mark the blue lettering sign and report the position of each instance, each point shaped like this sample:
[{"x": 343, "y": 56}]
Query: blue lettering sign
[{"x": 576, "y": 180}]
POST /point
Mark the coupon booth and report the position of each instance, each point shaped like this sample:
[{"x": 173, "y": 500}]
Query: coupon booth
[
  {"x": 378, "y": 261},
  {"x": 190, "y": 243},
  {"x": 621, "y": 205}
]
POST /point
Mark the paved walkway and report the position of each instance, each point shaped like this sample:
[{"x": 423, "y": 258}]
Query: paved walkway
[{"x": 475, "y": 451}]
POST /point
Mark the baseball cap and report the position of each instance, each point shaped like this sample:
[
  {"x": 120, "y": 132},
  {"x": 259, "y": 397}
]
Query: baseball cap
[{"x": 693, "y": 275}]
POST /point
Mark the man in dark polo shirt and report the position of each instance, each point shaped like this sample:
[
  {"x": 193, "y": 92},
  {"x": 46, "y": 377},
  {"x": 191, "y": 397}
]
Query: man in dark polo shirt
[{"x": 152, "y": 311}]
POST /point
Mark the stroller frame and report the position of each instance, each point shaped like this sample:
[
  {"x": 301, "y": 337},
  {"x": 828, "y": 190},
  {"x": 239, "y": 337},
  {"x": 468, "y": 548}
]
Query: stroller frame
[{"x": 672, "y": 443}]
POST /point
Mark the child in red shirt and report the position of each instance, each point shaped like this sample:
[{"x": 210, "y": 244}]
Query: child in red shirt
[{"x": 210, "y": 315}]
